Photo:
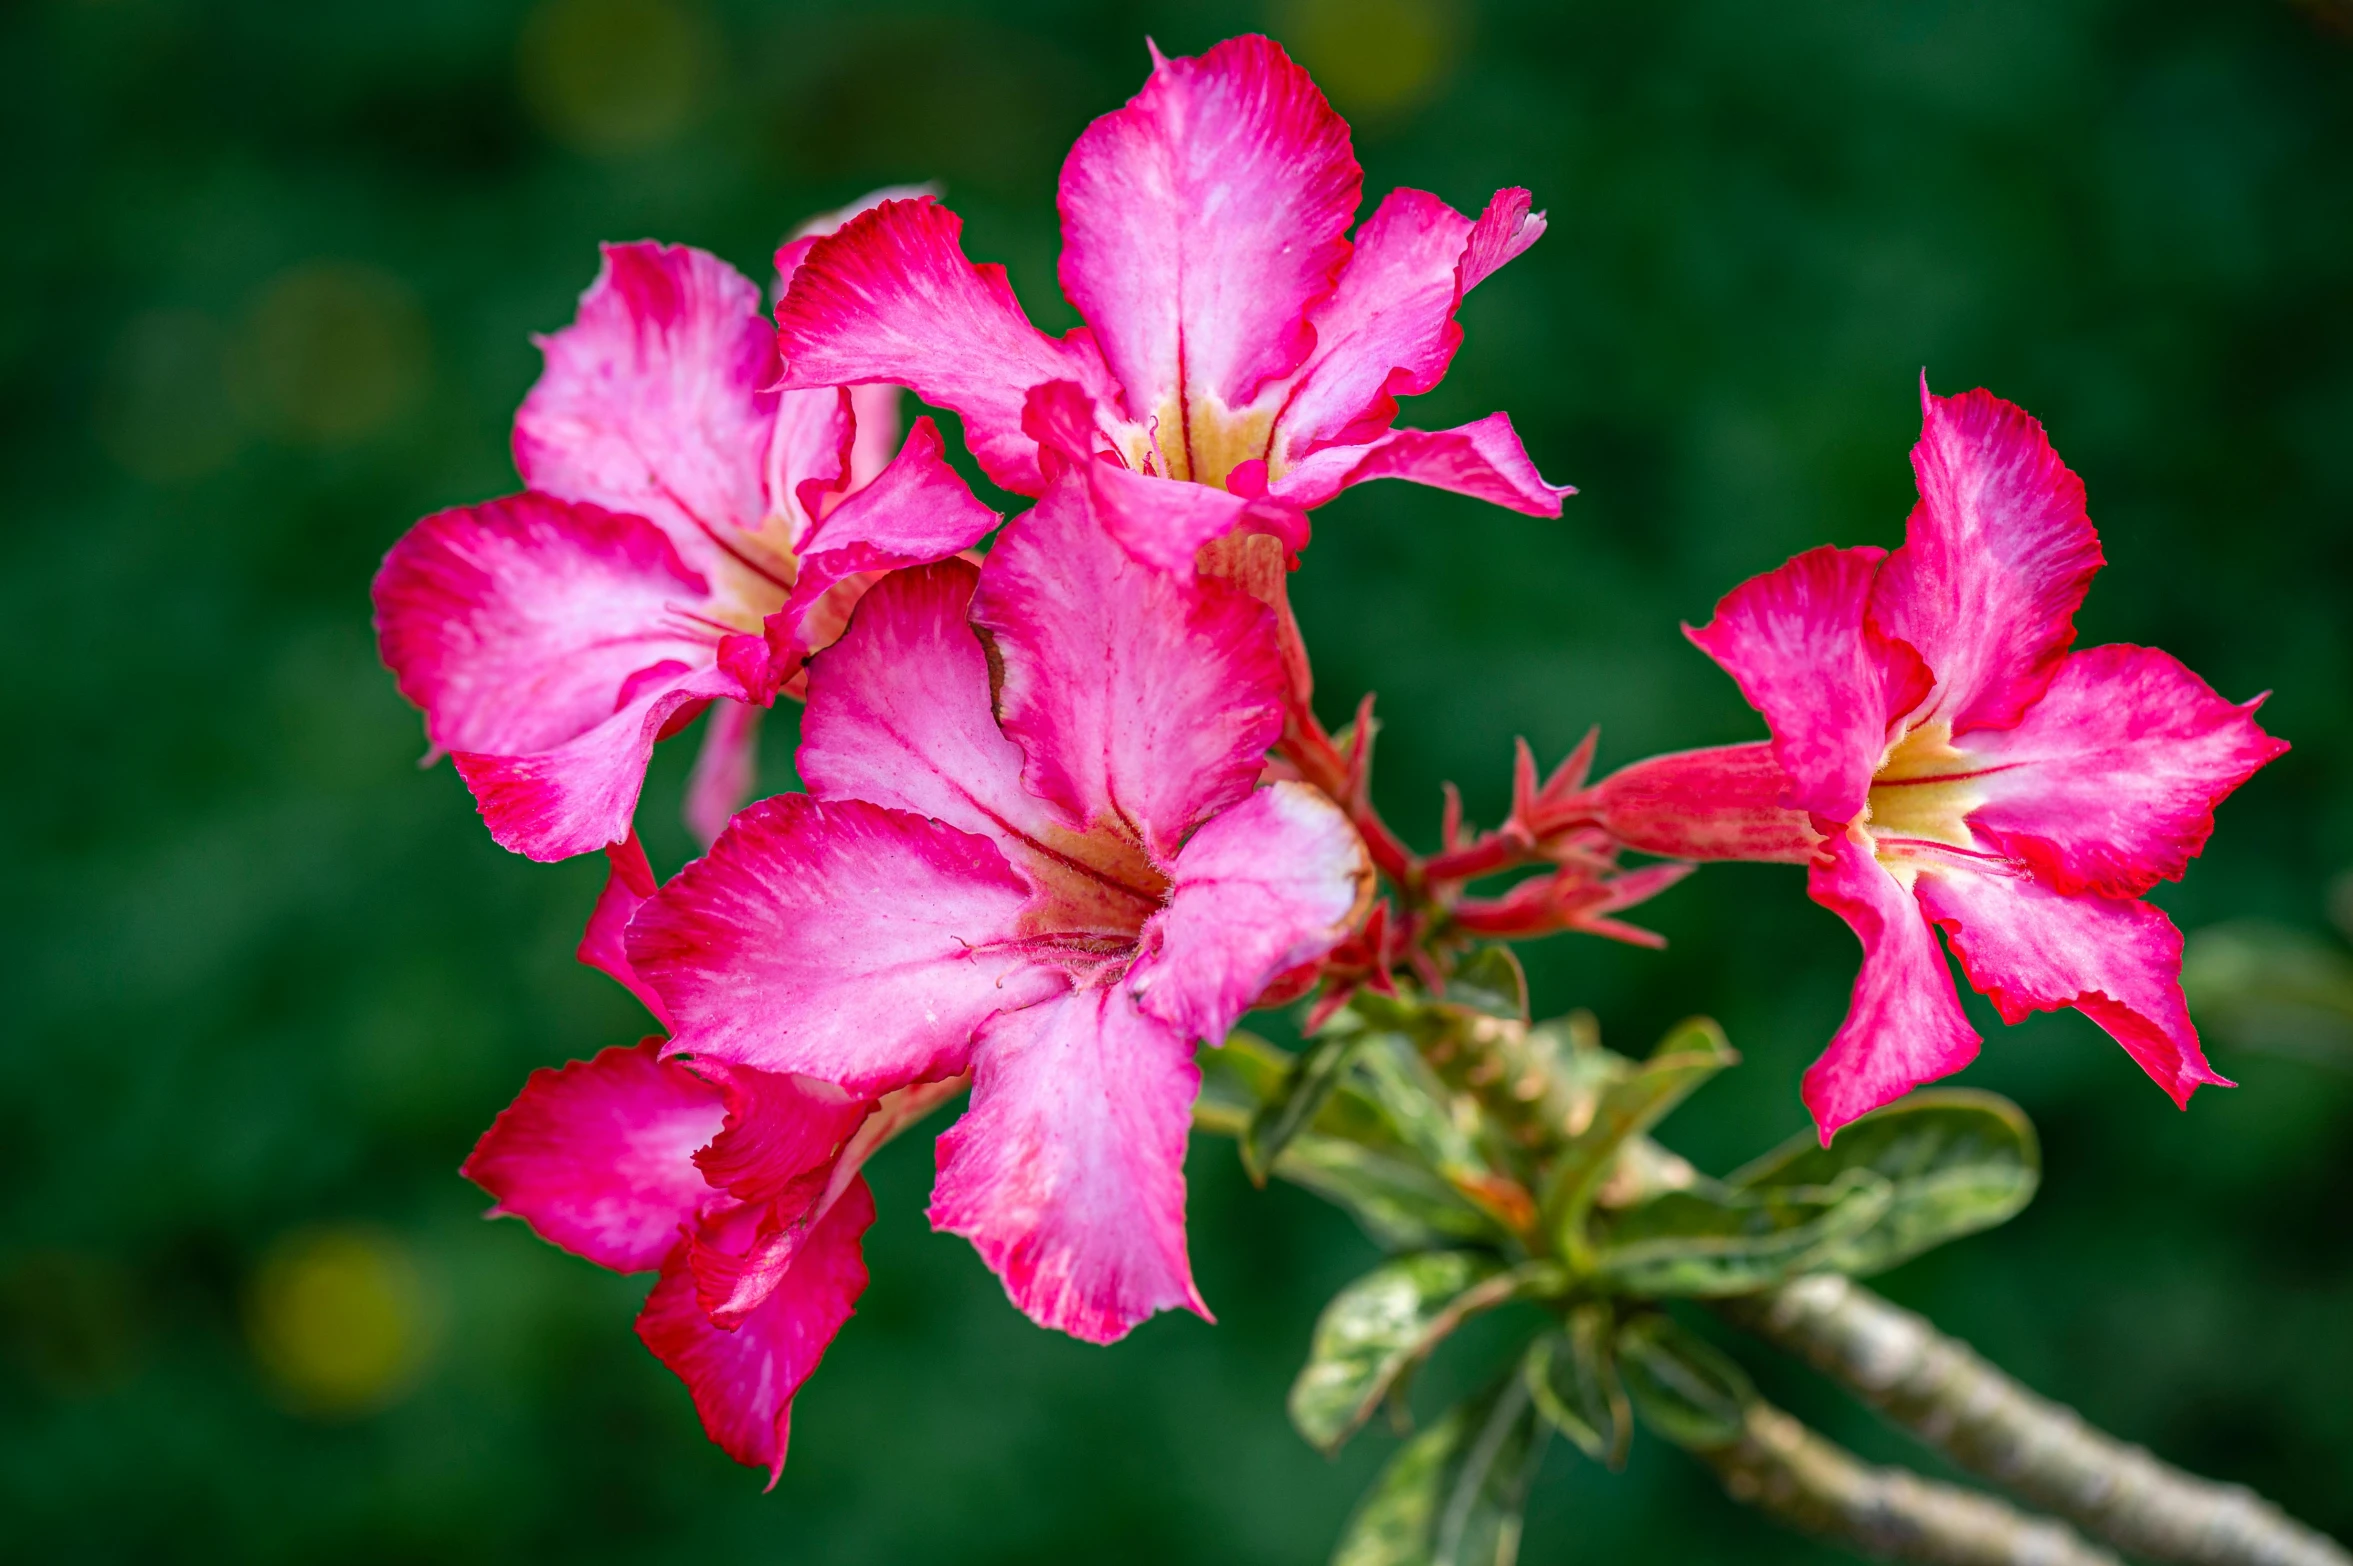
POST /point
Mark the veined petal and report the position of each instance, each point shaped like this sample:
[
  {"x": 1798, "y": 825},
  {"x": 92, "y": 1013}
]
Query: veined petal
[
  {"x": 1068, "y": 1171},
  {"x": 597, "y": 1156},
  {"x": 1200, "y": 224},
  {"x": 840, "y": 940},
  {"x": 918, "y": 510},
  {"x": 2109, "y": 782},
  {"x": 1143, "y": 701},
  {"x": 629, "y": 881},
  {"x": 1904, "y": 1025},
  {"x": 1997, "y": 556},
  {"x": 1802, "y": 648},
  {"x": 743, "y": 1381},
  {"x": 1482, "y": 459},
  {"x": 1278, "y": 880},
  {"x": 892, "y": 298},
  {"x": 1723, "y": 802},
  {"x": 520, "y": 623},
  {"x": 2030, "y": 948},
  {"x": 1388, "y": 329},
  {"x": 655, "y": 399}
]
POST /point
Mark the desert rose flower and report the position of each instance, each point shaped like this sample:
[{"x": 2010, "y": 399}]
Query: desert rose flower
[
  {"x": 687, "y": 535},
  {"x": 741, "y": 1188},
  {"x": 1941, "y": 760},
  {"x": 1235, "y": 336},
  {"x": 1034, "y": 848}
]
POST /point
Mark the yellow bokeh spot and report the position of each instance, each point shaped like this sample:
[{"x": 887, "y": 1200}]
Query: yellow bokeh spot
[
  {"x": 331, "y": 352},
  {"x": 1372, "y": 57},
  {"x": 610, "y": 76},
  {"x": 337, "y": 1319}
]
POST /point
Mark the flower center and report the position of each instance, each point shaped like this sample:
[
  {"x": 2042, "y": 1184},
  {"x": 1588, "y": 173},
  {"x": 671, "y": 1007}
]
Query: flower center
[
  {"x": 1925, "y": 790},
  {"x": 1202, "y": 440},
  {"x": 1094, "y": 892}
]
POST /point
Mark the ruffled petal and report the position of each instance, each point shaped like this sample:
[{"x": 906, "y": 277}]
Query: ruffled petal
[
  {"x": 2109, "y": 782},
  {"x": 780, "y": 1131},
  {"x": 808, "y": 461},
  {"x": 1904, "y": 1025},
  {"x": 840, "y": 940},
  {"x": 629, "y": 881},
  {"x": 597, "y": 1156},
  {"x": 1801, "y": 647},
  {"x": 656, "y": 399},
  {"x": 892, "y": 298},
  {"x": 1144, "y": 702},
  {"x": 1277, "y": 881},
  {"x": 1200, "y": 224},
  {"x": 1388, "y": 329},
  {"x": 1997, "y": 557},
  {"x": 1068, "y": 1171},
  {"x": 1723, "y": 802},
  {"x": 1482, "y": 459},
  {"x": 2030, "y": 948},
  {"x": 916, "y": 511},
  {"x": 520, "y": 623},
  {"x": 743, "y": 1381}
]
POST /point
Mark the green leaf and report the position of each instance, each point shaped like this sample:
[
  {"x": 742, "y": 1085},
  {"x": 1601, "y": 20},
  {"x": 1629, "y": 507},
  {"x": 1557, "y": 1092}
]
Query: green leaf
[
  {"x": 1302, "y": 1097},
  {"x": 1715, "y": 1242},
  {"x": 2266, "y": 987},
  {"x": 1454, "y": 1495},
  {"x": 1690, "y": 1054},
  {"x": 1491, "y": 980},
  {"x": 1238, "y": 1078},
  {"x": 1573, "y": 1376},
  {"x": 1683, "y": 1386},
  {"x": 1399, "y": 1203},
  {"x": 1957, "y": 1161},
  {"x": 1379, "y": 1328}
]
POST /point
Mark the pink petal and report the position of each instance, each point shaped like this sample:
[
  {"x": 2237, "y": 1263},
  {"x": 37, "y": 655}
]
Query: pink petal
[
  {"x": 916, "y": 511},
  {"x": 580, "y": 796},
  {"x": 1482, "y": 459},
  {"x": 655, "y": 399},
  {"x": 598, "y": 1156},
  {"x": 1388, "y": 329},
  {"x": 743, "y": 1381},
  {"x": 1165, "y": 523},
  {"x": 839, "y": 940},
  {"x": 2109, "y": 782},
  {"x": 1144, "y": 702},
  {"x": 892, "y": 298},
  {"x": 1802, "y": 648},
  {"x": 1200, "y": 224},
  {"x": 1723, "y": 802},
  {"x": 724, "y": 769},
  {"x": 2031, "y": 948},
  {"x": 1068, "y": 1171},
  {"x": 780, "y": 1131},
  {"x": 519, "y": 623},
  {"x": 1904, "y": 1025},
  {"x": 628, "y": 883},
  {"x": 809, "y": 458},
  {"x": 1277, "y": 881},
  {"x": 876, "y": 412},
  {"x": 1995, "y": 561}
]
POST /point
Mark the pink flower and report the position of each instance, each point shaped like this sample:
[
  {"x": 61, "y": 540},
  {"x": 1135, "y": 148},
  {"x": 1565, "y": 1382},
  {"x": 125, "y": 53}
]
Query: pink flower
[
  {"x": 687, "y": 535},
  {"x": 1037, "y": 852},
  {"x": 1940, "y": 759},
  {"x": 1235, "y": 337},
  {"x": 740, "y": 1187}
]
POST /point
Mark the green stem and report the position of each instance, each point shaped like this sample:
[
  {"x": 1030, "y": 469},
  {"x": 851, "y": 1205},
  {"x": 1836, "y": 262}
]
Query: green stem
[{"x": 1943, "y": 1392}]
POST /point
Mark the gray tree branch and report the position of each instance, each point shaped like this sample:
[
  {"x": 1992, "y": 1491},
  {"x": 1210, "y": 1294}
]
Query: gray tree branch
[{"x": 1943, "y": 1392}]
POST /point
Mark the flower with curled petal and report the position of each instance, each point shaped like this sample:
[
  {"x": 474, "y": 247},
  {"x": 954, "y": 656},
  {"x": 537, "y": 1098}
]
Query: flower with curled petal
[
  {"x": 1941, "y": 760},
  {"x": 1034, "y": 848},
  {"x": 1235, "y": 336},
  {"x": 687, "y": 535}
]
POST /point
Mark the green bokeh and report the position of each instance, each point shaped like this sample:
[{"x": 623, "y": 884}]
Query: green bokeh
[{"x": 271, "y": 270}]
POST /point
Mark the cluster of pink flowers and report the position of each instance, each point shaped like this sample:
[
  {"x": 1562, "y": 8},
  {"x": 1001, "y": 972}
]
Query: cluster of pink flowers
[{"x": 1068, "y": 810}]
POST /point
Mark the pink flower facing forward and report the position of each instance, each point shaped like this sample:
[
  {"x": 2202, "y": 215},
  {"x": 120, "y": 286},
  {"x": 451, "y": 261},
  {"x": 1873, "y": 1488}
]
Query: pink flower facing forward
[
  {"x": 687, "y": 536},
  {"x": 1234, "y": 336},
  {"x": 1940, "y": 759},
  {"x": 740, "y": 1187},
  {"x": 1059, "y": 891}
]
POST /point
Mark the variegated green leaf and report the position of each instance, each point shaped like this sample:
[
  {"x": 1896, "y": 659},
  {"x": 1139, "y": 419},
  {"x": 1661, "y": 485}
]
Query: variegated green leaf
[
  {"x": 1712, "y": 1241},
  {"x": 1683, "y": 1387},
  {"x": 1573, "y": 1376},
  {"x": 1454, "y": 1494},
  {"x": 1686, "y": 1057}
]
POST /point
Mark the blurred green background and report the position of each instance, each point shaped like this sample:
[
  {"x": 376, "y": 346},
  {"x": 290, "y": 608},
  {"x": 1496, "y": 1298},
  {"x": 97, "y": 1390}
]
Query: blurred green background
[{"x": 270, "y": 275}]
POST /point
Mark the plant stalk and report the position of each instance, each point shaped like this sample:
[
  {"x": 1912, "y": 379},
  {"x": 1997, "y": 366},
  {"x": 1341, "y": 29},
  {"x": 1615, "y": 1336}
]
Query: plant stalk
[
  {"x": 1796, "y": 1477},
  {"x": 1943, "y": 1392}
]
